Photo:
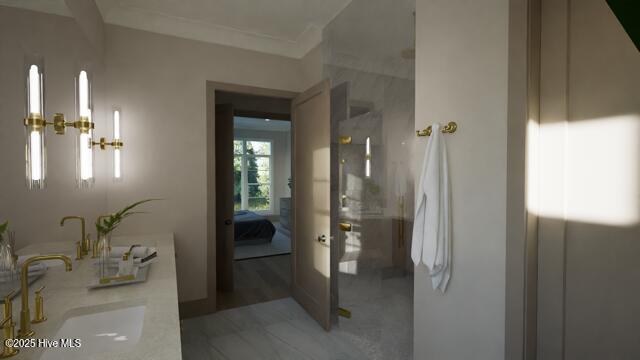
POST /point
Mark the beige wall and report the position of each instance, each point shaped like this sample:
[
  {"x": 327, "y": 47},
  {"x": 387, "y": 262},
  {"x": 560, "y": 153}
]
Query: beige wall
[
  {"x": 159, "y": 82},
  {"x": 461, "y": 75},
  {"x": 88, "y": 17},
  {"x": 589, "y": 193},
  {"x": 35, "y": 216},
  {"x": 311, "y": 67}
]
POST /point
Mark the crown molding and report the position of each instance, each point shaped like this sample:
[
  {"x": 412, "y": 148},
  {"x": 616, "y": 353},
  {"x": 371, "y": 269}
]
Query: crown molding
[{"x": 157, "y": 22}]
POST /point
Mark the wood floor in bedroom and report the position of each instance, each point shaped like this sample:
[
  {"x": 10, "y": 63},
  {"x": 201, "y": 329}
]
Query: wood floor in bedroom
[{"x": 258, "y": 280}]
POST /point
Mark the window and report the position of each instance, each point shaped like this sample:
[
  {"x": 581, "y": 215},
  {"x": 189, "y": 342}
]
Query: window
[{"x": 252, "y": 175}]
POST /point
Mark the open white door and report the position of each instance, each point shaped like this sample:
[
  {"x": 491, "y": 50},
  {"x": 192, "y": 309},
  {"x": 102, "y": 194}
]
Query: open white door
[{"x": 310, "y": 116}]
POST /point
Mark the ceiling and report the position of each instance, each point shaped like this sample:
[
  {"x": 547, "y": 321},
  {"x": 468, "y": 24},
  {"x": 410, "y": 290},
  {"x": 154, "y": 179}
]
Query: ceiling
[{"x": 284, "y": 27}]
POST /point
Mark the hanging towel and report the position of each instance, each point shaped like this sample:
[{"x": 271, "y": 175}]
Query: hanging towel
[{"x": 431, "y": 243}]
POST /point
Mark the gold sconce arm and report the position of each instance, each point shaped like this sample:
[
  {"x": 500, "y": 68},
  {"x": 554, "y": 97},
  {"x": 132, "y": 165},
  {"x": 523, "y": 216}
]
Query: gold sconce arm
[
  {"x": 59, "y": 123},
  {"x": 116, "y": 143}
]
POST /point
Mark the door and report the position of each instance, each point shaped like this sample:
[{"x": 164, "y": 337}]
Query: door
[
  {"x": 589, "y": 204},
  {"x": 310, "y": 116},
  {"x": 224, "y": 198}
]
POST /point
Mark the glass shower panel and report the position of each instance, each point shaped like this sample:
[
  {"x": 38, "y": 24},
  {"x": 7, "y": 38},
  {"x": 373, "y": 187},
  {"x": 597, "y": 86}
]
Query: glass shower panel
[{"x": 368, "y": 51}]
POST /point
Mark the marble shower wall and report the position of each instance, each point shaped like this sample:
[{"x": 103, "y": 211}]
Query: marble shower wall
[
  {"x": 369, "y": 46},
  {"x": 364, "y": 46}
]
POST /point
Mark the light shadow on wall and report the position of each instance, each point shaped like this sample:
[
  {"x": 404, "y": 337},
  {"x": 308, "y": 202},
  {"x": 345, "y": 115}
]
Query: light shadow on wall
[{"x": 598, "y": 164}]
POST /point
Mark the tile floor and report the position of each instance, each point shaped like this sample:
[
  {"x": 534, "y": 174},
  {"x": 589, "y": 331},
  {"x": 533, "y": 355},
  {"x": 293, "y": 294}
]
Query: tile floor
[
  {"x": 278, "y": 329},
  {"x": 381, "y": 328}
]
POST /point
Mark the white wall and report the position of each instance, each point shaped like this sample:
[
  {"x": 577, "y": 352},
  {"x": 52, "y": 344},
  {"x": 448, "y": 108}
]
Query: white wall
[
  {"x": 281, "y": 160},
  {"x": 160, "y": 82},
  {"x": 35, "y": 215},
  {"x": 461, "y": 75}
]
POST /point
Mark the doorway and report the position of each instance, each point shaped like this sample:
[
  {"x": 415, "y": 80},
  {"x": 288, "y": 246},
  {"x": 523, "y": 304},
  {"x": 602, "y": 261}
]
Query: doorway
[
  {"x": 253, "y": 196},
  {"x": 309, "y": 188}
]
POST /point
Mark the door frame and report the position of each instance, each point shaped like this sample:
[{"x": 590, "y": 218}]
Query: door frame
[
  {"x": 208, "y": 305},
  {"x": 521, "y": 278}
]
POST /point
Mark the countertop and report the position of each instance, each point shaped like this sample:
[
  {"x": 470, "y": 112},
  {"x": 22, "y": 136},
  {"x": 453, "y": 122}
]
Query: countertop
[{"x": 160, "y": 338}]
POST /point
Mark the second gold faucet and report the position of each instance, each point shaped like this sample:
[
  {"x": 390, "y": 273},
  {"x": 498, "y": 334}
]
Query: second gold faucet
[
  {"x": 84, "y": 241},
  {"x": 25, "y": 314}
]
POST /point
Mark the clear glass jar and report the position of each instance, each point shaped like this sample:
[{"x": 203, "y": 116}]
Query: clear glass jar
[{"x": 104, "y": 255}]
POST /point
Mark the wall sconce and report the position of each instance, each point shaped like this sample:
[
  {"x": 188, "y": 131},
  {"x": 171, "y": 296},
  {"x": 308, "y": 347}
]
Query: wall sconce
[
  {"x": 84, "y": 139},
  {"x": 35, "y": 151},
  {"x": 35, "y": 125},
  {"x": 117, "y": 144},
  {"x": 367, "y": 157}
]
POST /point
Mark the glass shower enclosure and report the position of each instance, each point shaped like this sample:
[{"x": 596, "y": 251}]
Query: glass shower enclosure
[{"x": 368, "y": 56}]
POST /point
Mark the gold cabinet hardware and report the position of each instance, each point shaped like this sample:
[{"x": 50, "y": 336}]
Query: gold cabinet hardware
[
  {"x": 344, "y": 313},
  {"x": 345, "y": 227},
  {"x": 8, "y": 328},
  {"x": 83, "y": 236},
  {"x": 39, "y": 308},
  {"x": 25, "y": 314},
  {"x": 450, "y": 128},
  {"x": 345, "y": 140}
]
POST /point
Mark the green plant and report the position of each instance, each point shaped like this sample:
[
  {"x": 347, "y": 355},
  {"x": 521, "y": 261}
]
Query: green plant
[
  {"x": 105, "y": 225},
  {"x": 3, "y": 229}
]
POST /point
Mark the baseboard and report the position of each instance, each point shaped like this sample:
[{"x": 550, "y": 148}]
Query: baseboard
[{"x": 193, "y": 308}]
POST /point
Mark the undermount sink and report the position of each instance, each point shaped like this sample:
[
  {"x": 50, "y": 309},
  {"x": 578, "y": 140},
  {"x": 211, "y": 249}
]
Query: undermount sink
[{"x": 114, "y": 327}]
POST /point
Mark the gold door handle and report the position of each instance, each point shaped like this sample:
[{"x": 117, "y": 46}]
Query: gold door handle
[{"x": 345, "y": 227}]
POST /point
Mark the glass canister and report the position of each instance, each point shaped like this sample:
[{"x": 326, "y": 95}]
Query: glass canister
[{"x": 104, "y": 255}]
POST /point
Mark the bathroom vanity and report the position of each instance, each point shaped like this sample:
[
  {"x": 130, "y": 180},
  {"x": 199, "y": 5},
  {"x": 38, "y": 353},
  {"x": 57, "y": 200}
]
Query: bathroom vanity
[{"x": 136, "y": 321}]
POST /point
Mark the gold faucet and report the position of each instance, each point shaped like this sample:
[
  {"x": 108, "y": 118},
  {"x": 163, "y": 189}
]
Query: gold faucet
[
  {"x": 8, "y": 327},
  {"x": 25, "y": 315},
  {"x": 83, "y": 239}
]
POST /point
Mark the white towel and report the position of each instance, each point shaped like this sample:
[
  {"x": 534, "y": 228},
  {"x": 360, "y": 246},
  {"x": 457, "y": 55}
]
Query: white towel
[
  {"x": 431, "y": 243},
  {"x": 138, "y": 251}
]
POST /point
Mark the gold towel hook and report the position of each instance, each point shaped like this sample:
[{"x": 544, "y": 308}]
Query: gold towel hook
[{"x": 450, "y": 128}]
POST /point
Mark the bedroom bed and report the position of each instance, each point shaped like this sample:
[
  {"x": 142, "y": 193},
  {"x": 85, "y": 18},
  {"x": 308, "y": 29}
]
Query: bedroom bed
[{"x": 251, "y": 228}]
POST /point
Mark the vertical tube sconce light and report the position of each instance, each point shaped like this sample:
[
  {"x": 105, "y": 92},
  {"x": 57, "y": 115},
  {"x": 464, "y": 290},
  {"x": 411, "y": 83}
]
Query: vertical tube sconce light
[
  {"x": 84, "y": 139},
  {"x": 35, "y": 126},
  {"x": 367, "y": 157},
  {"x": 34, "y": 122},
  {"x": 117, "y": 144}
]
